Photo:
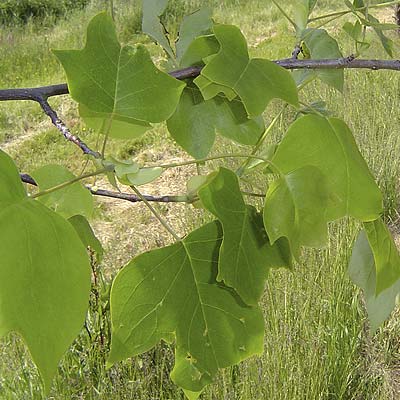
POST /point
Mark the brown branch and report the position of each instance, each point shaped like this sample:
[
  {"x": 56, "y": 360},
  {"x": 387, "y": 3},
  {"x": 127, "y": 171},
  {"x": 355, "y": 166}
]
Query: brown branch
[
  {"x": 41, "y": 94},
  {"x": 119, "y": 195},
  {"x": 50, "y": 112},
  {"x": 45, "y": 92}
]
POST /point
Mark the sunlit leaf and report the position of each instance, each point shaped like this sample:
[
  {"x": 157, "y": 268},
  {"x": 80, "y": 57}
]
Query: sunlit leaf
[
  {"x": 118, "y": 128},
  {"x": 201, "y": 48},
  {"x": 195, "y": 122},
  {"x": 194, "y": 25},
  {"x": 295, "y": 208},
  {"x": 386, "y": 256},
  {"x": 256, "y": 81},
  {"x": 118, "y": 82},
  {"x": 44, "y": 274},
  {"x": 328, "y": 144},
  {"x": 71, "y": 200},
  {"x": 173, "y": 291},
  {"x": 144, "y": 175},
  {"x": 362, "y": 271},
  {"x": 321, "y": 46},
  {"x": 151, "y": 24},
  {"x": 86, "y": 234},
  {"x": 246, "y": 254}
]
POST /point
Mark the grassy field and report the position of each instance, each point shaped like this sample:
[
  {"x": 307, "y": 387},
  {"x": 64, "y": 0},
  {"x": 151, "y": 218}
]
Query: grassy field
[{"x": 316, "y": 342}]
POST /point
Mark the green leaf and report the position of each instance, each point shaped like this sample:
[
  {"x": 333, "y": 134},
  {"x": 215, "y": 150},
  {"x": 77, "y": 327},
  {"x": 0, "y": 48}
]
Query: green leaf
[
  {"x": 194, "y": 25},
  {"x": 231, "y": 121},
  {"x": 209, "y": 89},
  {"x": 386, "y": 256},
  {"x": 11, "y": 189},
  {"x": 328, "y": 144},
  {"x": 200, "y": 49},
  {"x": 362, "y": 271},
  {"x": 256, "y": 81},
  {"x": 71, "y": 200},
  {"x": 118, "y": 82},
  {"x": 354, "y": 31},
  {"x": 316, "y": 107},
  {"x": 118, "y": 128},
  {"x": 44, "y": 274},
  {"x": 144, "y": 175},
  {"x": 302, "y": 10},
  {"x": 192, "y": 125},
  {"x": 195, "y": 122},
  {"x": 86, "y": 234},
  {"x": 295, "y": 208},
  {"x": 321, "y": 45},
  {"x": 378, "y": 28},
  {"x": 172, "y": 291},
  {"x": 152, "y": 26},
  {"x": 246, "y": 255},
  {"x": 358, "y": 3}
]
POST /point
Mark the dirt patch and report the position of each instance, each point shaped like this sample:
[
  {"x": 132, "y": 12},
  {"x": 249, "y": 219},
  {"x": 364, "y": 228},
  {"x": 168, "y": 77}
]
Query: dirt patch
[{"x": 127, "y": 229}]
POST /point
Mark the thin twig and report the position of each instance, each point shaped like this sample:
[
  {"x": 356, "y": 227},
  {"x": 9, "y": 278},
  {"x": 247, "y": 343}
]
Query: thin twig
[
  {"x": 50, "y": 112},
  {"x": 119, "y": 195}
]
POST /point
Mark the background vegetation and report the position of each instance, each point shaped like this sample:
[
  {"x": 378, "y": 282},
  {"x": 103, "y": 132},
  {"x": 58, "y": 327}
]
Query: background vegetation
[{"x": 316, "y": 342}]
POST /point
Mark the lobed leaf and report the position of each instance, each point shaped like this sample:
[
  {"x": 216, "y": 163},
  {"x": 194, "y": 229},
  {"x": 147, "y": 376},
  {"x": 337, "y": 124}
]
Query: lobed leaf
[
  {"x": 118, "y": 85},
  {"x": 246, "y": 254},
  {"x": 328, "y": 144},
  {"x": 321, "y": 45},
  {"x": 363, "y": 272},
  {"x": 44, "y": 274},
  {"x": 386, "y": 256},
  {"x": 195, "y": 122},
  {"x": 87, "y": 236},
  {"x": 256, "y": 81},
  {"x": 194, "y": 25},
  {"x": 172, "y": 292},
  {"x": 72, "y": 200},
  {"x": 152, "y": 26},
  {"x": 295, "y": 208}
]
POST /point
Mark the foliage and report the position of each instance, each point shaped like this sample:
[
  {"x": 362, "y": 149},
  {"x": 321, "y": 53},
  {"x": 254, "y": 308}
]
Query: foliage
[
  {"x": 202, "y": 292},
  {"x": 20, "y": 11}
]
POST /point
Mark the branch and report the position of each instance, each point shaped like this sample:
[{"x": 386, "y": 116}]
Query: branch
[
  {"x": 119, "y": 195},
  {"x": 41, "y": 94},
  {"x": 64, "y": 129},
  {"x": 45, "y": 92}
]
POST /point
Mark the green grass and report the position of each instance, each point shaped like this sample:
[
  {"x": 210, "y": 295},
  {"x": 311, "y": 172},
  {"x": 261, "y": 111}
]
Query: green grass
[{"x": 316, "y": 339}]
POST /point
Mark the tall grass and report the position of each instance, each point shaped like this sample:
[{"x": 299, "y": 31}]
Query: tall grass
[{"x": 316, "y": 338}]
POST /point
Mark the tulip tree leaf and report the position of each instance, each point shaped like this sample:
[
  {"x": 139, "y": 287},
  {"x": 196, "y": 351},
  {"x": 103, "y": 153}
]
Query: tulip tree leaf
[
  {"x": 11, "y": 189},
  {"x": 121, "y": 82},
  {"x": 44, "y": 274},
  {"x": 295, "y": 208},
  {"x": 386, "y": 42},
  {"x": 194, "y": 25},
  {"x": 71, "y": 200},
  {"x": 173, "y": 291},
  {"x": 245, "y": 254},
  {"x": 195, "y": 122},
  {"x": 302, "y": 11},
  {"x": 201, "y": 48},
  {"x": 386, "y": 256},
  {"x": 321, "y": 45},
  {"x": 152, "y": 26},
  {"x": 256, "y": 81},
  {"x": 328, "y": 144},
  {"x": 192, "y": 125},
  {"x": 87, "y": 236},
  {"x": 363, "y": 272},
  {"x": 118, "y": 128}
]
